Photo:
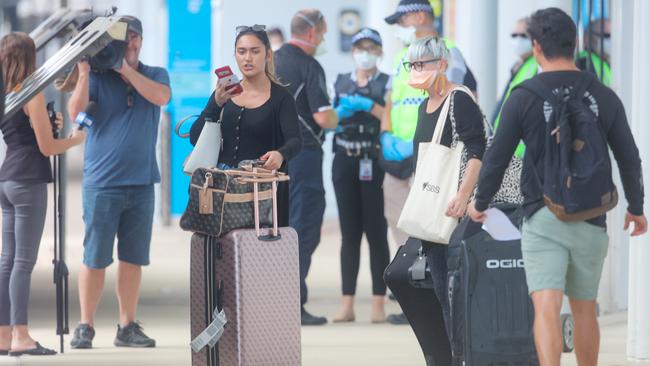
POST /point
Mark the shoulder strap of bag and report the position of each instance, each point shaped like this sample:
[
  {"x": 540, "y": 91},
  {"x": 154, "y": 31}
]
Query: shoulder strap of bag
[
  {"x": 442, "y": 118},
  {"x": 538, "y": 88}
]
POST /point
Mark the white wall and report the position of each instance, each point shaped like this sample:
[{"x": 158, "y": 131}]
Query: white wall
[{"x": 631, "y": 17}]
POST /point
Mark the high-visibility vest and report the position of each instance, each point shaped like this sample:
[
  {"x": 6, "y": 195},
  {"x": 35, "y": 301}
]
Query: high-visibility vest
[
  {"x": 405, "y": 100},
  {"x": 527, "y": 70},
  {"x": 599, "y": 66}
]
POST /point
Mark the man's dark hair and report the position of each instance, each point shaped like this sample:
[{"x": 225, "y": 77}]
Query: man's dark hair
[{"x": 555, "y": 31}]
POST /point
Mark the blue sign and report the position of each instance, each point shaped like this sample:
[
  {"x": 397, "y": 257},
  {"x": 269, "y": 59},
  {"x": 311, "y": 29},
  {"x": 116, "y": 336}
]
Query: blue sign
[{"x": 190, "y": 51}]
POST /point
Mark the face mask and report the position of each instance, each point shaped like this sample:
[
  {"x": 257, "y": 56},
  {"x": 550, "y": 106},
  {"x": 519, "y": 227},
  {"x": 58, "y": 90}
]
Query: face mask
[
  {"x": 321, "y": 49},
  {"x": 406, "y": 34},
  {"x": 275, "y": 46},
  {"x": 522, "y": 46},
  {"x": 365, "y": 60},
  {"x": 422, "y": 79},
  {"x": 607, "y": 46}
]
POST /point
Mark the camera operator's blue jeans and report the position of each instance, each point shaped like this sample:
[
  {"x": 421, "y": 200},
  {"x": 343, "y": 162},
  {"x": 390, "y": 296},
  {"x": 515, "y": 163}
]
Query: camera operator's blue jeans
[{"x": 307, "y": 206}]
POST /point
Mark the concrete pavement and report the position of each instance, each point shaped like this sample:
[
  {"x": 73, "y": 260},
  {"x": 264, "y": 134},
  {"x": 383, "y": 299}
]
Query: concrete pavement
[{"x": 164, "y": 311}]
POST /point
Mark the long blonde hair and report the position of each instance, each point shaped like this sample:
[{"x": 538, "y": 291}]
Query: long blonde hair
[{"x": 18, "y": 59}]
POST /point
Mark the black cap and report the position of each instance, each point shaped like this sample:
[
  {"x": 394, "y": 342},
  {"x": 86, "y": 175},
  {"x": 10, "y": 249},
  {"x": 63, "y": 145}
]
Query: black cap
[
  {"x": 133, "y": 24},
  {"x": 367, "y": 33},
  {"x": 409, "y": 6}
]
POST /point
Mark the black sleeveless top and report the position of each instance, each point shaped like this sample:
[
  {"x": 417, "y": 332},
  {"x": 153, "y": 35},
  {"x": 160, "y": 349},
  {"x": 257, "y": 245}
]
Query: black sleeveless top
[{"x": 23, "y": 162}]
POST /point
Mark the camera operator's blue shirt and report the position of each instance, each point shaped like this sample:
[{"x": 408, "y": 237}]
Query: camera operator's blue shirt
[{"x": 120, "y": 146}]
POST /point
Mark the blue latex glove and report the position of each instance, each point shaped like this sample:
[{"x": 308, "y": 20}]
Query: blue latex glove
[
  {"x": 404, "y": 148},
  {"x": 388, "y": 147},
  {"x": 343, "y": 111},
  {"x": 357, "y": 102}
]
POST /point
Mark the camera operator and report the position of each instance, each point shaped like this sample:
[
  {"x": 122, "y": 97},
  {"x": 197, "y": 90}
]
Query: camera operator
[
  {"x": 120, "y": 170},
  {"x": 24, "y": 176}
]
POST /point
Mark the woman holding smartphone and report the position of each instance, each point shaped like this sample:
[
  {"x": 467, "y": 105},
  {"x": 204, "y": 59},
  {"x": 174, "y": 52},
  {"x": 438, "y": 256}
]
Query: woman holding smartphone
[
  {"x": 24, "y": 176},
  {"x": 260, "y": 120}
]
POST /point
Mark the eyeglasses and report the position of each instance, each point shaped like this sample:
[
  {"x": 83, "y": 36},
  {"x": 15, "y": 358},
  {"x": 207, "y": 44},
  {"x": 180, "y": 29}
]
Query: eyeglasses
[
  {"x": 418, "y": 65},
  {"x": 520, "y": 35},
  {"x": 246, "y": 28}
]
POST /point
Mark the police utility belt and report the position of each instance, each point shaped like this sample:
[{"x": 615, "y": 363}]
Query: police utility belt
[{"x": 357, "y": 140}]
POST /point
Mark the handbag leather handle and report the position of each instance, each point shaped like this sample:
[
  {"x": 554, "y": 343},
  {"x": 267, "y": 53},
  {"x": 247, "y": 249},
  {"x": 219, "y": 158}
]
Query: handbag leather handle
[
  {"x": 275, "y": 235},
  {"x": 179, "y": 124},
  {"x": 262, "y": 180},
  {"x": 241, "y": 173}
]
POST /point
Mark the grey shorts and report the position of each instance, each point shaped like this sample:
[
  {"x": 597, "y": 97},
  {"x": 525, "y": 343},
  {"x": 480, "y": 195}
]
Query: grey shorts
[{"x": 565, "y": 256}]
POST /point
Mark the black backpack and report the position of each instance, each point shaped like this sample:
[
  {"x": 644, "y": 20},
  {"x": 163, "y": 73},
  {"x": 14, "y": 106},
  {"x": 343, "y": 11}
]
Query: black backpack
[{"x": 578, "y": 183}]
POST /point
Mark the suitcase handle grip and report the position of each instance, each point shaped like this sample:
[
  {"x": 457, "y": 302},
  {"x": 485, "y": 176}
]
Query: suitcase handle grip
[{"x": 275, "y": 234}]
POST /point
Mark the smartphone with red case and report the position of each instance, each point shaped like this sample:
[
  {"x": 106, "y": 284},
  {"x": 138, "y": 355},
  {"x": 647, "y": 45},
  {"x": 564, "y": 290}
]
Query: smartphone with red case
[{"x": 226, "y": 76}]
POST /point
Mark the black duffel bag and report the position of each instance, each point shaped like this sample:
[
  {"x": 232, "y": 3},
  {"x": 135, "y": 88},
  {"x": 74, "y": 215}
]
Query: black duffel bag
[{"x": 403, "y": 169}]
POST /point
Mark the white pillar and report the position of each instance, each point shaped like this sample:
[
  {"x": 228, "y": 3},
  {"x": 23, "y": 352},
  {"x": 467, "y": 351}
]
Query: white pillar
[
  {"x": 377, "y": 11},
  {"x": 638, "y": 342},
  {"x": 476, "y": 37}
]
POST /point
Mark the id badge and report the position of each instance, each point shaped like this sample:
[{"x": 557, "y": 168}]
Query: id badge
[{"x": 365, "y": 170}]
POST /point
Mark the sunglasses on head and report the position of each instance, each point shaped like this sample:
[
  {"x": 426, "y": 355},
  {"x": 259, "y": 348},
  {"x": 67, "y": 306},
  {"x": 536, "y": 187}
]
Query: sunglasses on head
[{"x": 255, "y": 28}]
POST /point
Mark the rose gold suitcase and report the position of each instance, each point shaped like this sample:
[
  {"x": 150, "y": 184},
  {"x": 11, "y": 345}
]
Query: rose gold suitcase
[
  {"x": 256, "y": 285},
  {"x": 261, "y": 299}
]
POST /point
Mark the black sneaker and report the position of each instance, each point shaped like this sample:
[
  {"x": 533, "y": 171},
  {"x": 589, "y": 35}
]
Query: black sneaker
[
  {"x": 308, "y": 319},
  {"x": 83, "y": 337},
  {"x": 397, "y": 319},
  {"x": 132, "y": 336}
]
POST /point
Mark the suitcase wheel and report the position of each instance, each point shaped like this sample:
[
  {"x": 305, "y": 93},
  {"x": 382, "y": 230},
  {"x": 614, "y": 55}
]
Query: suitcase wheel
[{"x": 567, "y": 332}]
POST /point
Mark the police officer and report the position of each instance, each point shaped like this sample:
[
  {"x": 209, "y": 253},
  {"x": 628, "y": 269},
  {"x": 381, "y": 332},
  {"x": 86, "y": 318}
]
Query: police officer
[
  {"x": 359, "y": 100},
  {"x": 414, "y": 20}
]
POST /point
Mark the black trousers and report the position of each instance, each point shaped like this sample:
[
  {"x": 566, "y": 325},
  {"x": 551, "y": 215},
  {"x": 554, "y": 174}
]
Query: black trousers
[
  {"x": 361, "y": 210},
  {"x": 421, "y": 306}
]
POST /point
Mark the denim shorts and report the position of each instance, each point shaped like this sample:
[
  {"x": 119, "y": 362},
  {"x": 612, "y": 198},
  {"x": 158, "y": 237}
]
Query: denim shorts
[
  {"x": 122, "y": 212},
  {"x": 567, "y": 256}
]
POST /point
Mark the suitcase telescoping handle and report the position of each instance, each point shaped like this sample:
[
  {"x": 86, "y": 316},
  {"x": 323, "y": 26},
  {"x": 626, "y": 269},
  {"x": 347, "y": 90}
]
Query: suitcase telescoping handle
[{"x": 275, "y": 234}]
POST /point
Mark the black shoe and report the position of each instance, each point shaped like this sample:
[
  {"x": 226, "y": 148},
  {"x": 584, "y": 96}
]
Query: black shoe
[
  {"x": 397, "y": 319},
  {"x": 308, "y": 319},
  {"x": 133, "y": 336},
  {"x": 83, "y": 337}
]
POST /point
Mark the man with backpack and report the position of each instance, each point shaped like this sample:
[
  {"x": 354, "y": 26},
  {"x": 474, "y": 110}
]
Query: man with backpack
[{"x": 567, "y": 119}]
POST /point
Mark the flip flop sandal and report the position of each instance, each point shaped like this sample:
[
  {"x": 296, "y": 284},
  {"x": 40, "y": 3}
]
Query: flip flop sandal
[{"x": 38, "y": 351}]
